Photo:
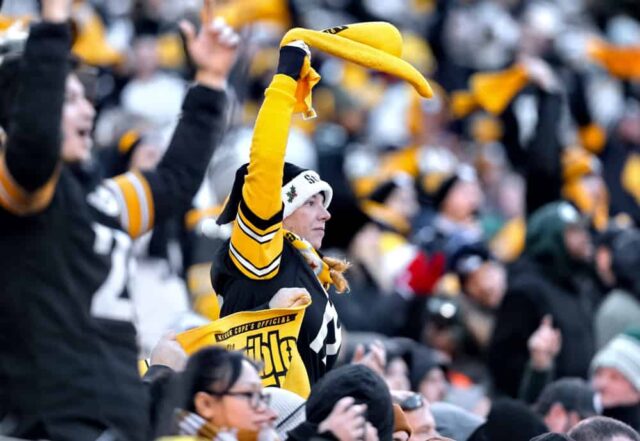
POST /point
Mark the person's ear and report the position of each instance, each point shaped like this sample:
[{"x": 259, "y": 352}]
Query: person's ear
[{"x": 206, "y": 405}]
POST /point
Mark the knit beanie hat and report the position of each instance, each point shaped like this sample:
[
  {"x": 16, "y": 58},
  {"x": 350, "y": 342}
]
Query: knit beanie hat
[
  {"x": 468, "y": 258},
  {"x": 623, "y": 354},
  {"x": 298, "y": 185},
  {"x": 444, "y": 189},
  {"x": 463, "y": 173},
  {"x": 383, "y": 191},
  {"x": 420, "y": 361},
  {"x": 361, "y": 383},
  {"x": 574, "y": 394}
]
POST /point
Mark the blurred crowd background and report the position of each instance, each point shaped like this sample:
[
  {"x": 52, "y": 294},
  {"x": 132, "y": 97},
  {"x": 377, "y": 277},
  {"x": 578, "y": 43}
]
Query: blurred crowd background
[{"x": 492, "y": 228}]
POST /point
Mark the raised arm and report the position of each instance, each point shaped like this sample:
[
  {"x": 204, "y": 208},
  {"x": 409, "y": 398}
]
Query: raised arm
[
  {"x": 257, "y": 235},
  {"x": 29, "y": 163},
  {"x": 543, "y": 173},
  {"x": 543, "y": 170},
  {"x": 149, "y": 197}
]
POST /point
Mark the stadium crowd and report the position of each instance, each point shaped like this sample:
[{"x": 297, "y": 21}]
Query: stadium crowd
[{"x": 442, "y": 195}]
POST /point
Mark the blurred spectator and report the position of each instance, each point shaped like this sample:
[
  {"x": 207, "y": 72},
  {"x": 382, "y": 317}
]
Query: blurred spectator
[
  {"x": 221, "y": 392},
  {"x": 483, "y": 283},
  {"x": 393, "y": 204},
  {"x": 356, "y": 392},
  {"x": 151, "y": 93},
  {"x": 401, "y": 429},
  {"x": 566, "y": 402},
  {"x": 603, "y": 259},
  {"x": 397, "y": 369},
  {"x": 428, "y": 374},
  {"x": 621, "y": 308},
  {"x": 551, "y": 278},
  {"x": 456, "y": 200},
  {"x": 616, "y": 377},
  {"x": 509, "y": 420},
  {"x": 418, "y": 413}
]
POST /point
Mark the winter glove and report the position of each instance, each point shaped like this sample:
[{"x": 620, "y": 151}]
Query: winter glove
[{"x": 292, "y": 59}]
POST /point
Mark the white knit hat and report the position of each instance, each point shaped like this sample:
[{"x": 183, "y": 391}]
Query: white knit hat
[
  {"x": 301, "y": 187},
  {"x": 290, "y": 408},
  {"x": 623, "y": 354}
]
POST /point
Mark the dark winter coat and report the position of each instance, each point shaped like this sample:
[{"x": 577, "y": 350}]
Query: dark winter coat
[{"x": 545, "y": 281}]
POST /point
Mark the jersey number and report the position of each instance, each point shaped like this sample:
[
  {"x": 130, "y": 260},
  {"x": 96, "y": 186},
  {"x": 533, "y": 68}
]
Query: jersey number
[
  {"x": 106, "y": 302},
  {"x": 329, "y": 319}
]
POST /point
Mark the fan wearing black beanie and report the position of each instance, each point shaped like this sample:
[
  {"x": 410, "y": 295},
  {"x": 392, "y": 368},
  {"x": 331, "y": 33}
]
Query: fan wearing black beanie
[
  {"x": 279, "y": 212},
  {"x": 361, "y": 384}
]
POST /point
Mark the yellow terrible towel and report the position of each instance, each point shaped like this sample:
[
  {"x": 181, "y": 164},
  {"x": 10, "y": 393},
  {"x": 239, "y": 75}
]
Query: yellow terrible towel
[
  {"x": 621, "y": 61},
  {"x": 375, "y": 45},
  {"x": 491, "y": 91}
]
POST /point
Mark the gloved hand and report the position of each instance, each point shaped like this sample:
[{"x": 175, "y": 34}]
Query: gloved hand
[{"x": 292, "y": 58}]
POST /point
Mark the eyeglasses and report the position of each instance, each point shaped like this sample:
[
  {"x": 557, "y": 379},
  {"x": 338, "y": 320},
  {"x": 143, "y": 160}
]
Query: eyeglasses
[
  {"x": 412, "y": 402},
  {"x": 256, "y": 398}
]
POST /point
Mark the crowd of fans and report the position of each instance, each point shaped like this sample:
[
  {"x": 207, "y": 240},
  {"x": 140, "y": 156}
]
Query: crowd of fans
[{"x": 492, "y": 231}]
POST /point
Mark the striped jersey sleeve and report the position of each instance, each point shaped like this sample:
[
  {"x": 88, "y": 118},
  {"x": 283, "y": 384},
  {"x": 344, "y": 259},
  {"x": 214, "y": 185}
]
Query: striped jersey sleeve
[
  {"x": 17, "y": 200},
  {"x": 133, "y": 195},
  {"x": 256, "y": 244},
  {"x": 257, "y": 234}
]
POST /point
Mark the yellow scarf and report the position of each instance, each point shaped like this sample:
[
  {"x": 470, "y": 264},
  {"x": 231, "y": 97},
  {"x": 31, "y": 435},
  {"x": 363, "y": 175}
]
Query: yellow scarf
[{"x": 329, "y": 271}]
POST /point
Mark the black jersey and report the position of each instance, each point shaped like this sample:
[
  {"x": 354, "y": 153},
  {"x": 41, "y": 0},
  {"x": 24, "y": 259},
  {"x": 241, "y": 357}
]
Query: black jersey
[
  {"x": 68, "y": 352},
  {"x": 320, "y": 335}
]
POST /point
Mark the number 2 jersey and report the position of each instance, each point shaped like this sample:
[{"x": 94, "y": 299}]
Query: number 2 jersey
[{"x": 68, "y": 352}]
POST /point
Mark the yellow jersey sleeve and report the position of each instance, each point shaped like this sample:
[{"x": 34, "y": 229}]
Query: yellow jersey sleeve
[{"x": 257, "y": 234}]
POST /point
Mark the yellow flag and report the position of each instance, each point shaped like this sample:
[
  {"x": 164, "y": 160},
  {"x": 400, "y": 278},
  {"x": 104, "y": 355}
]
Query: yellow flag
[{"x": 269, "y": 336}]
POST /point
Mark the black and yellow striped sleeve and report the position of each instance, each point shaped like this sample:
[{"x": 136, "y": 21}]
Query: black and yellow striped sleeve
[
  {"x": 257, "y": 234},
  {"x": 18, "y": 201},
  {"x": 133, "y": 194},
  {"x": 256, "y": 244}
]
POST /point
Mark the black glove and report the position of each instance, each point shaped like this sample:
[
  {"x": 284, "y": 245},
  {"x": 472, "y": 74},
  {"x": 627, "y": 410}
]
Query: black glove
[{"x": 291, "y": 61}]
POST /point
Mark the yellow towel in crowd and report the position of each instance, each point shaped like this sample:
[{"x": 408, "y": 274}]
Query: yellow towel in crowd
[
  {"x": 492, "y": 91},
  {"x": 268, "y": 336},
  {"x": 621, "y": 61},
  {"x": 239, "y": 13}
]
